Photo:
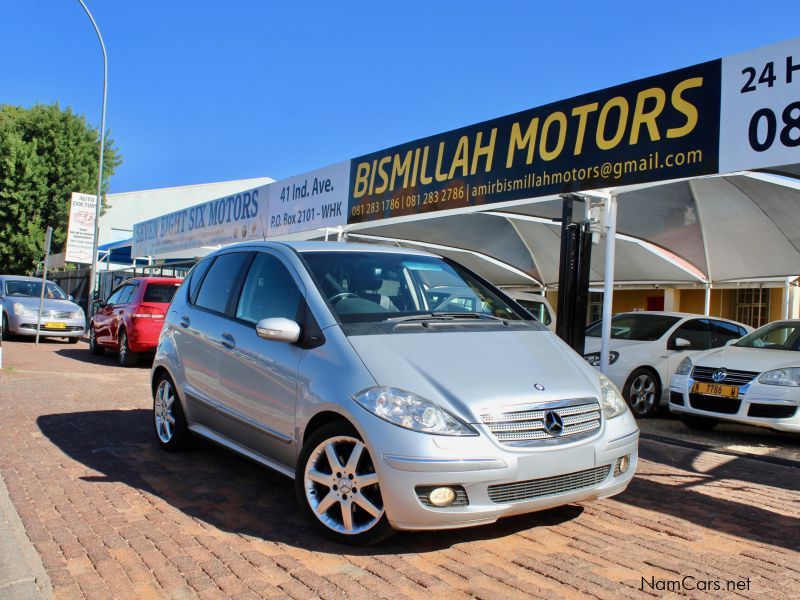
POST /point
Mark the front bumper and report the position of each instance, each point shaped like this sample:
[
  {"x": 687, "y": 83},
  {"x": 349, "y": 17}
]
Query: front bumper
[
  {"x": 754, "y": 399},
  {"x": 407, "y": 460},
  {"x": 24, "y": 325}
]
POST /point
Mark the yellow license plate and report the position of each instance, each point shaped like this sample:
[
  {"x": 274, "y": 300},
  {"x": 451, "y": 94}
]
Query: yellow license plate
[
  {"x": 715, "y": 389},
  {"x": 55, "y": 325}
]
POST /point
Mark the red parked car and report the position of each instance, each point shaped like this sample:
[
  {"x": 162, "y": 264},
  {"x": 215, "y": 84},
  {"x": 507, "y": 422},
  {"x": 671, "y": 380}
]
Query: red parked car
[{"x": 130, "y": 320}]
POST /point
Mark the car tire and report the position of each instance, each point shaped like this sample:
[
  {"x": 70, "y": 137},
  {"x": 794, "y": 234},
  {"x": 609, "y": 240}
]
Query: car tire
[
  {"x": 315, "y": 473},
  {"x": 94, "y": 347},
  {"x": 642, "y": 392},
  {"x": 127, "y": 358},
  {"x": 72, "y": 340},
  {"x": 172, "y": 431},
  {"x": 6, "y": 332},
  {"x": 699, "y": 423}
]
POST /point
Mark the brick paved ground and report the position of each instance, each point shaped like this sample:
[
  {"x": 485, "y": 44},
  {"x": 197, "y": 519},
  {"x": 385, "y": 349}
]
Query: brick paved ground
[{"x": 113, "y": 516}]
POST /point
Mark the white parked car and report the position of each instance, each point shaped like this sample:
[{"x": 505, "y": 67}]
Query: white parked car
[
  {"x": 646, "y": 348},
  {"x": 537, "y": 305},
  {"x": 755, "y": 380}
]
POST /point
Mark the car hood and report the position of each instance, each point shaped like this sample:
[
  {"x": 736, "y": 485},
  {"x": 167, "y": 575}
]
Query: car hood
[
  {"x": 49, "y": 303},
  {"x": 747, "y": 359},
  {"x": 593, "y": 344},
  {"x": 468, "y": 372}
]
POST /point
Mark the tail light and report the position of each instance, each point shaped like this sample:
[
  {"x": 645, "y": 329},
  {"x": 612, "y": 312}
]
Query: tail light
[{"x": 147, "y": 312}]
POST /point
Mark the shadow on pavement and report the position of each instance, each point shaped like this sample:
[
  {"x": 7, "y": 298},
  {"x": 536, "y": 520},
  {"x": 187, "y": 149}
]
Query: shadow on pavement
[
  {"x": 721, "y": 511},
  {"x": 232, "y": 493},
  {"x": 109, "y": 359}
]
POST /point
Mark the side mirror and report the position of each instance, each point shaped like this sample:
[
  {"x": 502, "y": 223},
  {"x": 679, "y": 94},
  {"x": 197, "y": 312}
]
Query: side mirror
[
  {"x": 70, "y": 297},
  {"x": 731, "y": 342},
  {"x": 97, "y": 304},
  {"x": 682, "y": 344},
  {"x": 278, "y": 329}
]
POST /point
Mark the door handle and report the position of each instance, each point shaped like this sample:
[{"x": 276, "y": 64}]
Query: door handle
[
  {"x": 228, "y": 341},
  {"x": 185, "y": 321}
]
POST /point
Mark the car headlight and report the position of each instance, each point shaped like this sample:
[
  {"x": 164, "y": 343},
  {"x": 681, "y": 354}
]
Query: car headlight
[
  {"x": 685, "y": 367},
  {"x": 788, "y": 377},
  {"x": 610, "y": 399},
  {"x": 78, "y": 314},
  {"x": 408, "y": 410},
  {"x": 23, "y": 311},
  {"x": 593, "y": 358}
]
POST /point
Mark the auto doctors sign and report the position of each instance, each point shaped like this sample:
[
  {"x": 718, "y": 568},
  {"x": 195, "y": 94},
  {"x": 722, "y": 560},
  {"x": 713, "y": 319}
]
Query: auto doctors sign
[
  {"x": 80, "y": 230},
  {"x": 225, "y": 220},
  {"x": 725, "y": 115}
]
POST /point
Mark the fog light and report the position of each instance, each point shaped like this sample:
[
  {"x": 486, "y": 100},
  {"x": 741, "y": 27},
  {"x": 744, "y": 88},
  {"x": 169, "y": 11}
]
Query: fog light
[
  {"x": 442, "y": 496},
  {"x": 622, "y": 465}
]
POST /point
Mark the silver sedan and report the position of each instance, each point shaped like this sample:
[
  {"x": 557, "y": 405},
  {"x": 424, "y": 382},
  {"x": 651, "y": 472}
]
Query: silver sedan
[{"x": 20, "y": 297}]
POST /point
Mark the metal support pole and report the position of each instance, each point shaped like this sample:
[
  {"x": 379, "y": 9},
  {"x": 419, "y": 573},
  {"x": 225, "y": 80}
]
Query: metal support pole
[
  {"x": 93, "y": 271},
  {"x": 786, "y": 290},
  {"x": 47, "y": 237},
  {"x": 707, "y": 308},
  {"x": 608, "y": 283}
]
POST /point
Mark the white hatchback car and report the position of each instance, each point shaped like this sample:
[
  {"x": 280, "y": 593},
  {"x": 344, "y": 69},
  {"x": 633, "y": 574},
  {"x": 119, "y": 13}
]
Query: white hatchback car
[
  {"x": 646, "y": 348},
  {"x": 755, "y": 380}
]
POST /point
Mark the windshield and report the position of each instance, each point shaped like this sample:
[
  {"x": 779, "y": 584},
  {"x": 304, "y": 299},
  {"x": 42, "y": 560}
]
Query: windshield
[
  {"x": 364, "y": 287},
  {"x": 33, "y": 289},
  {"x": 775, "y": 336},
  {"x": 631, "y": 326}
]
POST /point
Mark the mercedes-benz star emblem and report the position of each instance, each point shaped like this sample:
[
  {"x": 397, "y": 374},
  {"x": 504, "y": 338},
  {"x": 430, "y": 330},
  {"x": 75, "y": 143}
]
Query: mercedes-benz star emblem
[
  {"x": 539, "y": 386},
  {"x": 719, "y": 375},
  {"x": 553, "y": 423}
]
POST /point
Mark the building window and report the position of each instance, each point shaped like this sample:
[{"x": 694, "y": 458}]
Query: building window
[
  {"x": 752, "y": 306},
  {"x": 595, "y": 308}
]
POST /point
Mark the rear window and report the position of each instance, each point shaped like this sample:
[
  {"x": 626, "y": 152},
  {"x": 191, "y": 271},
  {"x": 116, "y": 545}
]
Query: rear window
[{"x": 160, "y": 292}]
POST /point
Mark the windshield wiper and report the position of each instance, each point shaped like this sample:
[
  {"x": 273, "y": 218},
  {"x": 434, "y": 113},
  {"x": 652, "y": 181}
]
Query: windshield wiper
[{"x": 443, "y": 316}]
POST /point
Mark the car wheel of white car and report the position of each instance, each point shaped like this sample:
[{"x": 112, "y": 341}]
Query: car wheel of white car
[
  {"x": 641, "y": 392},
  {"x": 338, "y": 488},
  {"x": 6, "y": 332}
]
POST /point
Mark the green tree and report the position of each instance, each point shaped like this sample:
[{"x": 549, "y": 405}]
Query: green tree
[{"x": 46, "y": 153}]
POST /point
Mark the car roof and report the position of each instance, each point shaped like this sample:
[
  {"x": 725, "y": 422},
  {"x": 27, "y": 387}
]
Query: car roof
[
  {"x": 156, "y": 279},
  {"x": 22, "y": 278},
  {"x": 680, "y": 315},
  {"x": 335, "y": 247}
]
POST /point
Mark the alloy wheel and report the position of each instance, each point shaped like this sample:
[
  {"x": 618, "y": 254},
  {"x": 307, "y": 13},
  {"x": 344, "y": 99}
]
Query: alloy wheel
[
  {"x": 123, "y": 348},
  {"x": 341, "y": 486},
  {"x": 163, "y": 411},
  {"x": 642, "y": 393}
]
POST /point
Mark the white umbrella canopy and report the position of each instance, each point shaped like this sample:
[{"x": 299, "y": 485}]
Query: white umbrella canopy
[
  {"x": 521, "y": 250},
  {"x": 732, "y": 227}
]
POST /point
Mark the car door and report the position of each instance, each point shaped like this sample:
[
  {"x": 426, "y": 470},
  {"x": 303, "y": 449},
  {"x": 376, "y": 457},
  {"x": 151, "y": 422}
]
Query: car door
[
  {"x": 102, "y": 318},
  {"x": 697, "y": 332},
  {"x": 258, "y": 377},
  {"x": 201, "y": 320},
  {"x": 119, "y": 311}
]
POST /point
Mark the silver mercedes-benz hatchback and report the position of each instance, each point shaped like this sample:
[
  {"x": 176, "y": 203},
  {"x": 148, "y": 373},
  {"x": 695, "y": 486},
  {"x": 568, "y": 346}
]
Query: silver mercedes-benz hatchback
[{"x": 398, "y": 389}]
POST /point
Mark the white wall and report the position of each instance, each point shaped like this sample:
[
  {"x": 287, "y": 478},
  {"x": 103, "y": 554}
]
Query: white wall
[{"x": 128, "y": 208}]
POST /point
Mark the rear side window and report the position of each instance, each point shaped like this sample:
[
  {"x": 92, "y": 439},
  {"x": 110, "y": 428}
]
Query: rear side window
[
  {"x": 160, "y": 292},
  {"x": 268, "y": 291},
  {"x": 220, "y": 282},
  {"x": 126, "y": 294},
  {"x": 196, "y": 278}
]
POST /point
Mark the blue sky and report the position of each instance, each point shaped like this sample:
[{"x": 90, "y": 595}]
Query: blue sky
[{"x": 204, "y": 91}]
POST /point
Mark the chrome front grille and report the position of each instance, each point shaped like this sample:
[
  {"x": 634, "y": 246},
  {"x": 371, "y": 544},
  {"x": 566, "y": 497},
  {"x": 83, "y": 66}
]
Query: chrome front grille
[
  {"x": 732, "y": 376},
  {"x": 547, "y": 486},
  {"x": 579, "y": 416}
]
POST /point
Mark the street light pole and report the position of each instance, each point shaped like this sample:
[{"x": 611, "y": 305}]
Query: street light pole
[{"x": 93, "y": 272}]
